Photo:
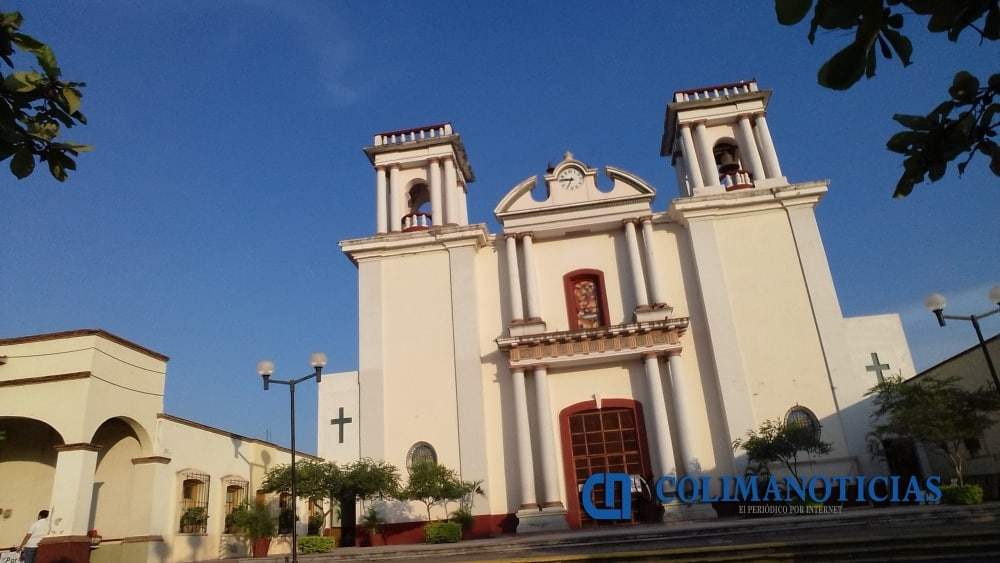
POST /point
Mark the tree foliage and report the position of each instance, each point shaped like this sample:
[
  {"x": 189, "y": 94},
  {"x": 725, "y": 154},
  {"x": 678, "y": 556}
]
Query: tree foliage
[
  {"x": 935, "y": 413},
  {"x": 781, "y": 442},
  {"x": 432, "y": 484},
  {"x": 934, "y": 140},
  {"x": 35, "y": 105},
  {"x": 324, "y": 480}
]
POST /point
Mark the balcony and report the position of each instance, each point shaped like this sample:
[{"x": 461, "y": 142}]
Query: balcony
[
  {"x": 736, "y": 179},
  {"x": 595, "y": 345}
]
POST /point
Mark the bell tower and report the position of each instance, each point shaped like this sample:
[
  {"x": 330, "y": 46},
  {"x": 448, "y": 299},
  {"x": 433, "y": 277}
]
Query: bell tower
[
  {"x": 421, "y": 178},
  {"x": 717, "y": 139}
]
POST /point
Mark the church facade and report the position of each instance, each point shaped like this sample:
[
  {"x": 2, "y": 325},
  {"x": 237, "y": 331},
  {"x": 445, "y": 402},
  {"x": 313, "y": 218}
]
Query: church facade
[{"x": 595, "y": 332}]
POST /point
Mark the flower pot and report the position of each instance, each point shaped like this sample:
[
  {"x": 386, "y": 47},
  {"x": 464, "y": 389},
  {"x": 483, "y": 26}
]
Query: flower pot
[{"x": 261, "y": 546}]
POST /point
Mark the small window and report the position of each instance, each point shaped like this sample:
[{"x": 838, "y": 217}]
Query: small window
[
  {"x": 421, "y": 452},
  {"x": 237, "y": 495},
  {"x": 804, "y": 417},
  {"x": 586, "y": 302},
  {"x": 194, "y": 503}
]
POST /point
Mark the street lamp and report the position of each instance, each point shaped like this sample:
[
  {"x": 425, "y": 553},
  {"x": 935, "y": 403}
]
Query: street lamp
[
  {"x": 266, "y": 369},
  {"x": 936, "y": 302}
]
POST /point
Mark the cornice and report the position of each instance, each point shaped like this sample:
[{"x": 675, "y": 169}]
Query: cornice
[
  {"x": 687, "y": 209},
  {"x": 394, "y": 244}
]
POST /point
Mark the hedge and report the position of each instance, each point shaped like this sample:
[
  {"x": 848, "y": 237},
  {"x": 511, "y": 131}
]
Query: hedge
[
  {"x": 442, "y": 532},
  {"x": 961, "y": 494},
  {"x": 316, "y": 544}
]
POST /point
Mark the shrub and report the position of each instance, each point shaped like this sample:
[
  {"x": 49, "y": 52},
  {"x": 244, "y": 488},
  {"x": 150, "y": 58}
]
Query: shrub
[
  {"x": 442, "y": 532},
  {"x": 316, "y": 544},
  {"x": 961, "y": 494},
  {"x": 254, "y": 522},
  {"x": 463, "y": 518}
]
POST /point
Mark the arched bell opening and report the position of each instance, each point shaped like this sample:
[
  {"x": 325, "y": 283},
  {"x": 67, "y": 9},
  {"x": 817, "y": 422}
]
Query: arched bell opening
[
  {"x": 418, "y": 203},
  {"x": 732, "y": 174}
]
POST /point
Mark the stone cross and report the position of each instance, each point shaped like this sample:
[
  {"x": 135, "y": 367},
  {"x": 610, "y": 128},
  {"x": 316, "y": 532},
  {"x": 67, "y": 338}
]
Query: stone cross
[
  {"x": 340, "y": 421},
  {"x": 877, "y": 368}
]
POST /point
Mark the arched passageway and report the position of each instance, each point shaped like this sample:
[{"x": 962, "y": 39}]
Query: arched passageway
[{"x": 27, "y": 470}]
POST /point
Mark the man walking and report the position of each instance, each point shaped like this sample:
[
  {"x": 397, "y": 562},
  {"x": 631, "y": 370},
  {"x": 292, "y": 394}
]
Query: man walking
[{"x": 38, "y": 530}]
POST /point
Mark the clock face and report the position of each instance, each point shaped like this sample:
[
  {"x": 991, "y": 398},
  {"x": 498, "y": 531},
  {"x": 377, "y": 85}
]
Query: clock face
[{"x": 570, "y": 178}]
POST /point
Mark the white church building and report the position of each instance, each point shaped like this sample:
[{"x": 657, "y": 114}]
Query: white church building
[{"x": 594, "y": 332}]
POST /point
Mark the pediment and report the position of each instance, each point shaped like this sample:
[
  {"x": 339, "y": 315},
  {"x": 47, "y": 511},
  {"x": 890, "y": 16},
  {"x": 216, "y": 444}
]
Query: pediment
[{"x": 572, "y": 188}]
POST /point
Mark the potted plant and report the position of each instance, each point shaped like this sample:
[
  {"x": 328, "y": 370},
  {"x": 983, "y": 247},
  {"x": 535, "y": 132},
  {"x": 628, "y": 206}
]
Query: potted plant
[
  {"x": 193, "y": 520},
  {"x": 256, "y": 524}
]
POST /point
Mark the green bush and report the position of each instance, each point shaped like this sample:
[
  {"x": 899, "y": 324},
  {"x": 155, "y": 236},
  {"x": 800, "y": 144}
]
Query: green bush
[
  {"x": 253, "y": 522},
  {"x": 961, "y": 494},
  {"x": 442, "y": 532},
  {"x": 316, "y": 544},
  {"x": 463, "y": 518}
]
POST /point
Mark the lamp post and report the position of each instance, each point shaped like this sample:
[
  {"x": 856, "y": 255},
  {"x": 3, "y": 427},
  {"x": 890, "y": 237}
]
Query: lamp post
[
  {"x": 266, "y": 369},
  {"x": 936, "y": 302}
]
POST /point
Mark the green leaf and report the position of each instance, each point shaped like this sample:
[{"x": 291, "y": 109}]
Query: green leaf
[
  {"x": 72, "y": 99},
  {"x": 845, "y": 68},
  {"x": 901, "y": 44},
  {"x": 22, "y": 81},
  {"x": 902, "y": 141},
  {"x": 791, "y": 12},
  {"x": 23, "y": 162}
]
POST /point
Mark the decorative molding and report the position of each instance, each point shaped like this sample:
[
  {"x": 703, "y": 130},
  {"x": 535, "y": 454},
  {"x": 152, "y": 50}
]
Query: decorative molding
[
  {"x": 46, "y": 379},
  {"x": 84, "y": 332},
  {"x": 150, "y": 459},
  {"x": 142, "y": 539},
  {"x": 77, "y": 446}
]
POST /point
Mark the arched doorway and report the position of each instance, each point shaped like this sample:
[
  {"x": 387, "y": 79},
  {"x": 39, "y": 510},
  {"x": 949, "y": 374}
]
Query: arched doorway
[
  {"x": 27, "y": 469},
  {"x": 597, "y": 439},
  {"x": 110, "y": 509}
]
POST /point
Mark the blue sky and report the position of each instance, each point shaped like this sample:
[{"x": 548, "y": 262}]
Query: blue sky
[{"x": 228, "y": 164}]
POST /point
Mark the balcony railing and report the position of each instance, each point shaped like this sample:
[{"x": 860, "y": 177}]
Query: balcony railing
[
  {"x": 416, "y": 222},
  {"x": 736, "y": 180},
  {"x": 594, "y": 345},
  {"x": 410, "y": 135},
  {"x": 719, "y": 91}
]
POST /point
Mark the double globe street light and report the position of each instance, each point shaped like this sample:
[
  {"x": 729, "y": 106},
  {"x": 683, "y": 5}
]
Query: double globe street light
[
  {"x": 936, "y": 302},
  {"x": 266, "y": 369}
]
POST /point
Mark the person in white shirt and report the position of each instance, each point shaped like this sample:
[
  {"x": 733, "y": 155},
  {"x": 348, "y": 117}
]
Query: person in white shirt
[{"x": 38, "y": 530}]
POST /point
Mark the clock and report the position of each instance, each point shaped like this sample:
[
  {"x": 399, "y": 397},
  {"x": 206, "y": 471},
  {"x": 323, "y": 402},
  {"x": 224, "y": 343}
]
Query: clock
[{"x": 570, "y": 178}]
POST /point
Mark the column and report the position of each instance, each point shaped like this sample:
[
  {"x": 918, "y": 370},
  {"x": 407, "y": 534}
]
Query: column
[
  {"x": 531, "y": 278},
  {"x": 395, "y": 199},
  {"x": 381, "y": 199},
  {"x": 709, "y": 169},
  {"x": 661, "y": 427},
  {"x": 525, "y": 466},
  {"x": 513, "y": 279},
  {"x": 450, "y": 192},
  {"x": 679, "y": 403},
  {"x": 463, "y": 206},
  {"x": 771, "y": 167},
  {"x": 638, "y": 279},
  {"x": 691, "y": 158},
  {"x": 654, "y": 270},
  {"x": 73, "y": 489},
  {"x": 550, "y": 480},
  {"x": 748, "y": 148},
  {"x": 434, "y": 174}
]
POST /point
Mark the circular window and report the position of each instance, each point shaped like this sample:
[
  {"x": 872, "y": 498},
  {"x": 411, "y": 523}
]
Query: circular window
[
  {"x": 421, "y": 452},
  {"x": 803, "y": 417}
]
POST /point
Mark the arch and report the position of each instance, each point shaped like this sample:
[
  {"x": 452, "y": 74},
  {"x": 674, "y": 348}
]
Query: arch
[
  {"x": 729, "y": 163},
  {"x": 138, "y": 430},
  {"x": 113, "y": 477},
  {"x": 801, "y": 415},
  {"x": 586, "y": 299},
  {"x": 420, "y": 452},
  {"x": 573, "y": 514},
  {"x": 418, "y": 195},
  {"x": 27, "y": 472}
]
